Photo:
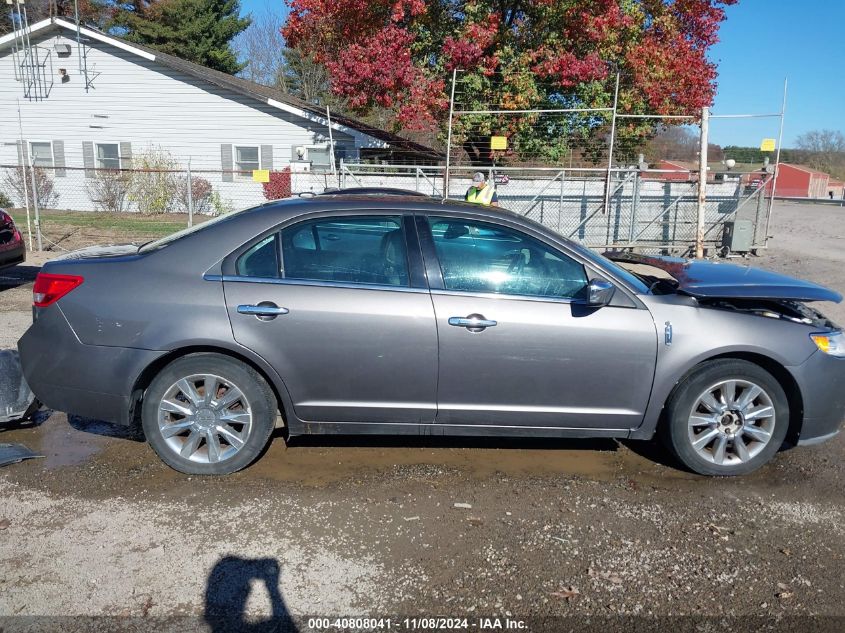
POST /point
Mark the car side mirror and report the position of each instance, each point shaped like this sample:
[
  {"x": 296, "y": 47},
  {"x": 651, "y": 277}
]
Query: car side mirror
[{"x": 599, "y": 292}]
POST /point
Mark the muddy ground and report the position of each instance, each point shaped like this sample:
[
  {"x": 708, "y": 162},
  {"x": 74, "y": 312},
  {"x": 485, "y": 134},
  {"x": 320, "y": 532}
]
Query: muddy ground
[{"x": 334, "y": 526}]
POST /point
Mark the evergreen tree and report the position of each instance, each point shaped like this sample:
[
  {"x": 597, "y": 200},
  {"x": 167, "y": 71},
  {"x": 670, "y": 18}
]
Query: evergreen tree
[{"x": 199, "y": 31}]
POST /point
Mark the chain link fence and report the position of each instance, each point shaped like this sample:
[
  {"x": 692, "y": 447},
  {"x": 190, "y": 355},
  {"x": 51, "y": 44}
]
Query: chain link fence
[
  {"x": 649, "y": 210},
  {"x": 579, "y": 165},
  {"x": 65, "y": 208}
]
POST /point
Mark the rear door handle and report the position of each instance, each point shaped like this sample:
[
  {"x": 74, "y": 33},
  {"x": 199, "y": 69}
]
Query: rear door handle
[
  {"x": 265, "y": 311},
  {"x": 473, "y": 322}
]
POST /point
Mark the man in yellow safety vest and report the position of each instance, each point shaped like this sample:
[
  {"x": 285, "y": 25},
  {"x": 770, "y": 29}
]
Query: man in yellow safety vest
[{"x": 480, "y": 192}]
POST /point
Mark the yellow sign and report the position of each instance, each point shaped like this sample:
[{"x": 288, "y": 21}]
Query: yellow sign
[
  {"x": 768, "y": 145},
  {"x": 260, "y": 175},
  {"x": 498, "y": 142}
]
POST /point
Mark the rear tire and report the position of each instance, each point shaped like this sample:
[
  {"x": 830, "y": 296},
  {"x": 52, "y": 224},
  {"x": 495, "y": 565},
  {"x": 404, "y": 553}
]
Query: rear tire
[
  {"x": 727, "y": 418},
  {"x": 208, "y": 414}
]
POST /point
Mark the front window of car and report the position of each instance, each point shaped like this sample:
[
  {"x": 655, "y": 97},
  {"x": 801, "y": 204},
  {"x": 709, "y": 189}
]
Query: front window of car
[
  {"x": 355, "y": 250},
  {"x": 481, "y": 257}
]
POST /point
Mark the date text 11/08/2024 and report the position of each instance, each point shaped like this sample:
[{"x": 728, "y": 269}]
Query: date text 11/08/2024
[{"x": 417, "y": 624}]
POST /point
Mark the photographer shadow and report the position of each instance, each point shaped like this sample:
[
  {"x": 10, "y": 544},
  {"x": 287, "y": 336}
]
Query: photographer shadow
[{"x": 227, "y": 592}]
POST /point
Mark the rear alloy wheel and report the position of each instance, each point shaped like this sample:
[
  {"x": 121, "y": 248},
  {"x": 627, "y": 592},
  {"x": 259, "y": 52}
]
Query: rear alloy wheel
[
  {"x": 208, "y": 414},
  {"x": 727, "y": 418}
]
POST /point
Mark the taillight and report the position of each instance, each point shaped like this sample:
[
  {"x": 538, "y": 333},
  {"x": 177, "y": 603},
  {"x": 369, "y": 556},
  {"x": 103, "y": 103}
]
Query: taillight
[{"x": 50, "y": 288}]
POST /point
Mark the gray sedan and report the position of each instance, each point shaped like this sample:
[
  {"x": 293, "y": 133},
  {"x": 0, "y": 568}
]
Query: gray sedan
[{"x": 362, "y": 313}]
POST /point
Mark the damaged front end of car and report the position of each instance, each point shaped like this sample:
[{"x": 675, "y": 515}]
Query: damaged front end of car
[
  {"x": 785, "y": 309},
  {"x": 711, "y": 282},
  {"x": 726, "y": 286}
]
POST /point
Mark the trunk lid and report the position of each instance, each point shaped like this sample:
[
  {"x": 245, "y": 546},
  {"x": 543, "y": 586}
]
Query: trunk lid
[{"x": 99, "y": 252}]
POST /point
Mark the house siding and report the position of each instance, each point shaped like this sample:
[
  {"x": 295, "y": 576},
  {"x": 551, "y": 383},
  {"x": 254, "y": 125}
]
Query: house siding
[{"x": 142, "y": 104}]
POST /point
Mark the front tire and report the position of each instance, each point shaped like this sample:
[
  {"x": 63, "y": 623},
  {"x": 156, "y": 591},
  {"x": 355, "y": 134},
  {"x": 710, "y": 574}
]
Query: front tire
[
  {"x": 208, "y": 414},
  {"x": 728, "y": 417}
]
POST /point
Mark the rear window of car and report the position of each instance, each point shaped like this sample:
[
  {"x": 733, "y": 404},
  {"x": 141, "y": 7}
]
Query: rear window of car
[
  {"x": 167, "y": 239},
  {"x": 261, "y": 259},
  {"x": 360, "y": 250},
  {"x": 351, "y": 249}
]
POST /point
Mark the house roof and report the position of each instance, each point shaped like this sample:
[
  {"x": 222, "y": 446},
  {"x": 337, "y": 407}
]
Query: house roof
[
  {"x": 264, "y": 94},
  {"x": 677, "y": 164},
  {"x": 804, "y": 168}
]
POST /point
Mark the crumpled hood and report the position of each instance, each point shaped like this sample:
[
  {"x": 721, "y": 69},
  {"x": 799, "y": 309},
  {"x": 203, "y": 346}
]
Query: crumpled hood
[
  {"x": 96, "y": 252},
  {"x": 707, "y": 279}
]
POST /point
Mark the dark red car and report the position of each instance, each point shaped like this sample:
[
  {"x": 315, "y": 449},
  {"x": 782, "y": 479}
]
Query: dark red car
[{"x": 12, "y": 249}]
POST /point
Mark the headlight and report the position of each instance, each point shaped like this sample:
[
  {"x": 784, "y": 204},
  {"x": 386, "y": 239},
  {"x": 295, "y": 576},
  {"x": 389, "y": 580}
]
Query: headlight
[{"x": 832, "y": 343}]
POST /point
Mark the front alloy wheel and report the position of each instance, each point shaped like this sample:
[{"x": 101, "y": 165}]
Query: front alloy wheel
[
  {"x": 731, "y": 422},
  {"x": 727, "y": 417}
]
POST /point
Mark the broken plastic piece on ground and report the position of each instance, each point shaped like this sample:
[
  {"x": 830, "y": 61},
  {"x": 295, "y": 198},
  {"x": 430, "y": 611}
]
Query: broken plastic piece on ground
[
  {"x": 16, "y": 398},
  {"x": 14, "y": 453}
]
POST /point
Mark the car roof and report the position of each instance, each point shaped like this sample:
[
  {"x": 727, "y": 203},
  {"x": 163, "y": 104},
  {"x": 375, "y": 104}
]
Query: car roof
[
  {"x": 373, "y": 191},
  {"x": 221, "y": 233},
  {"x": 352, "y": 202}
]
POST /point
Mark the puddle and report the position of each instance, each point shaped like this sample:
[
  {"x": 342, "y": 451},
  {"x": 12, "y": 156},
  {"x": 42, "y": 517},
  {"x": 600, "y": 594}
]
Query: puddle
[
  {"x": 64, "y": 445},
  {"x": 320, "y": 461}
]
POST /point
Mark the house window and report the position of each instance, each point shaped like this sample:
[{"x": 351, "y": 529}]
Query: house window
[
  {"x": 42, "y": 154},
  {"x": 246, "y": 160},
  {"x": 108, "y": 156}
]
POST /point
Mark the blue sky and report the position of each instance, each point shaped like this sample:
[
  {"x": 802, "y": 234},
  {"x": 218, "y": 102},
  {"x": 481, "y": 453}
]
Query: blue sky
[
  {"x": 763, "y": 42},
  {"x": 257, "y": 6}
]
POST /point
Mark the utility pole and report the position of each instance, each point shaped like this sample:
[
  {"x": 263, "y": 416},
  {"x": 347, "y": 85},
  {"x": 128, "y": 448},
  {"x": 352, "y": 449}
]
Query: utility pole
[
  {"x": 24, "y": 151},
  {"x": 449, "y": 136},
  {"x": 777, "y": 164},
  {"x": 190, "y": 195},
  {"x": 35, "y": 202},
  {"x": 331, "y": 145},
  {"x": 608, "y": 181},
  {"x": 702, "y": 182}
]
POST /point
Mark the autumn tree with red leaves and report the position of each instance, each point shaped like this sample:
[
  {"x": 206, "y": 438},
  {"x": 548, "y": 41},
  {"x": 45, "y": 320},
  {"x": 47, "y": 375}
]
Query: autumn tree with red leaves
[{"x": 397, "y": 56}]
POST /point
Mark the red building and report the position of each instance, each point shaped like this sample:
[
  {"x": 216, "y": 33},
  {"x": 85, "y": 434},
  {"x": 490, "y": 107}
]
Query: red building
[
  {"x": 680, "y": 171},
  {"x": 796, "y": 181}
]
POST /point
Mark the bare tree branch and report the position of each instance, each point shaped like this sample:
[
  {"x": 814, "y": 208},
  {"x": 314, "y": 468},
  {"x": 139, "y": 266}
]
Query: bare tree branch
[
  {"x": 823, "y": 150},
  {"x": 262, "y": 48}
]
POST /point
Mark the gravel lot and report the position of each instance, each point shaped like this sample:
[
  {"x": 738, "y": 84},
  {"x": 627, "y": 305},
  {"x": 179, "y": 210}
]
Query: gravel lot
[{"x": 331, "y": 526}]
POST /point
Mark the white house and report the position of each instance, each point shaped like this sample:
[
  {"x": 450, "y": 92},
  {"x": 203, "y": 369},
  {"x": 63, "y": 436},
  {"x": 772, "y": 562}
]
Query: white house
[{"x": 75, "y": 100}]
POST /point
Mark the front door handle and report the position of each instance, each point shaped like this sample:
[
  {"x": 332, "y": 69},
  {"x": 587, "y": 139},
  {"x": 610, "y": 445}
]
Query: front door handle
[
  {"x": 473, "y": 322},
  {"x": 265, "y": 311}
]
